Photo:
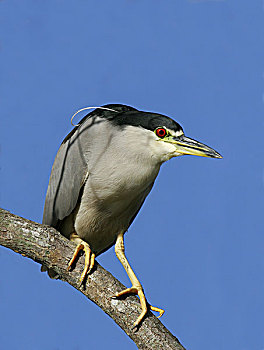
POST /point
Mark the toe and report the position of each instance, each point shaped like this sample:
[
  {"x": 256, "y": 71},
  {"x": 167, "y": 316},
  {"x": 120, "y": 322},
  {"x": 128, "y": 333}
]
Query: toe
[
  {"x": 131, "y": 290},
  {"x": 157, "y": 309}
]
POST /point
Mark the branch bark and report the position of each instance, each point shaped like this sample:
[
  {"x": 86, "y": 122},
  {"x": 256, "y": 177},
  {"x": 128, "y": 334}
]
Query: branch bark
[{"x": 47, "y": 246}]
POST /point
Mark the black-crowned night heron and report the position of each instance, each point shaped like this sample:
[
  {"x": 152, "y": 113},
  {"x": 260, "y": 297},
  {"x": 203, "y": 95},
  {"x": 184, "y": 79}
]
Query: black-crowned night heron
[{"x": 103, "y": 172}]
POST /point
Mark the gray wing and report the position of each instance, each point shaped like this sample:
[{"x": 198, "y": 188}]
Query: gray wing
[{"x": 68, "y": 175}]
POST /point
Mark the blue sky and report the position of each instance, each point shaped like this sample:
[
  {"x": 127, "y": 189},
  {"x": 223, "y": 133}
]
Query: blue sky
[{"x": 200, "y": 62}]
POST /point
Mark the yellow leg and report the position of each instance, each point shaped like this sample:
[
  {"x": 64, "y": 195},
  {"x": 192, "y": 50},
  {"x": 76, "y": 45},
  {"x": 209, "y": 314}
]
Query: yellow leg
[
  {"x": 89, "y": 256},
  {"x": 136, "y": 286}
]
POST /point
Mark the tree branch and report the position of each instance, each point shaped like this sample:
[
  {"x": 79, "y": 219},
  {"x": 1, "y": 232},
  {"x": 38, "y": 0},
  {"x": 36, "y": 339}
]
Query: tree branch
[{"x": 45, "y": 245}]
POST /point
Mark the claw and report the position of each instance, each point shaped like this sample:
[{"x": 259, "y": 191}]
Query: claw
[
  {"x": 157, "y": 309},
  {"x": 75, "y": 254},
  {"x": 89, "y": 256},
  {"x": 143, "y": 302},
  {"x": 136, "y": 286}
]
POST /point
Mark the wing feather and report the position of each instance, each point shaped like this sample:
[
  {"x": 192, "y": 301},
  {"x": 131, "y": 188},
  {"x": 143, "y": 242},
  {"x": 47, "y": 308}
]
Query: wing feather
[{"x": 69, "y": 172}]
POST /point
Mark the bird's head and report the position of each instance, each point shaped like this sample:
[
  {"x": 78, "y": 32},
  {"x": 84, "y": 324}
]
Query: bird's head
[
  {"x": 174, "y": 143},
  {"x": 158, "y": 133}
]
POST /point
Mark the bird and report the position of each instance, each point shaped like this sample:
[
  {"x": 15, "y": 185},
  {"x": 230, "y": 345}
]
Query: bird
[{"x": 103, "y": 172}]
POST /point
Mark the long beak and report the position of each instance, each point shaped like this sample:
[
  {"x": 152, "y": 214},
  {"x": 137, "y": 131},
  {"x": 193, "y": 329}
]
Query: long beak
[{"x": 185, "y": 145}]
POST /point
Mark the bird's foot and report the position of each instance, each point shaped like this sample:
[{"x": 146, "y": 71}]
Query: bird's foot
[
  {"x": 89, "y": 255},
  {"x": 138, "y": 290}
]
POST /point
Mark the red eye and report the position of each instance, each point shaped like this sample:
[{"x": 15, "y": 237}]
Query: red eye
[{"x": 161, "y": 132}]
